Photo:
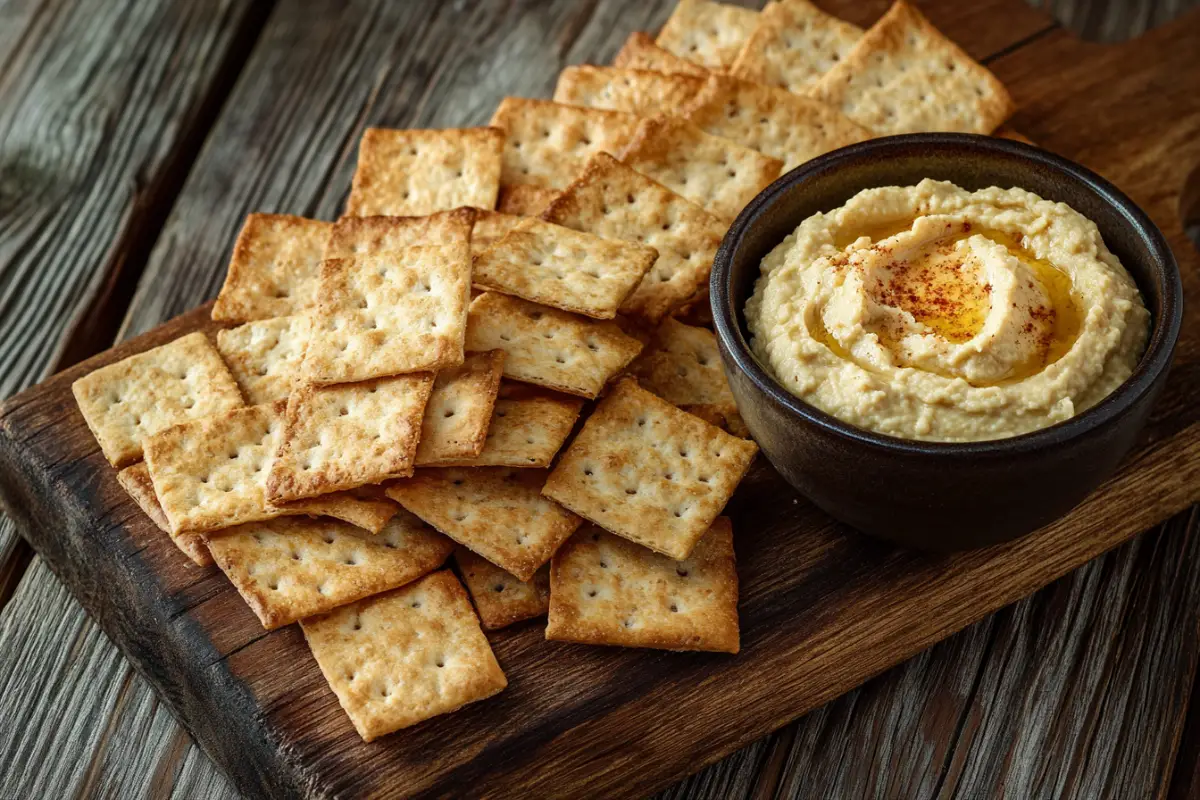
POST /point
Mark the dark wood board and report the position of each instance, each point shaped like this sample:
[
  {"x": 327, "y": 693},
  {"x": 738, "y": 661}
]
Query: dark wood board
[{"x": 607, "y": 721}]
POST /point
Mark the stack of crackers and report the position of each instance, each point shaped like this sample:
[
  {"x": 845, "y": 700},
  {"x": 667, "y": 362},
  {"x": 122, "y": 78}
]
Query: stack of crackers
[{"x": 493, "y": 355}]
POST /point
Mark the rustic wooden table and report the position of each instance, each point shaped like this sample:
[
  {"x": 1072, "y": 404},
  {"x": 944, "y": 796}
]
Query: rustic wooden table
[{"x": 134, "y": 136}]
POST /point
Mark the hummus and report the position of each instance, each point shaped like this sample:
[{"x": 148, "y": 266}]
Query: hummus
[{"x": 930, "y": 312}]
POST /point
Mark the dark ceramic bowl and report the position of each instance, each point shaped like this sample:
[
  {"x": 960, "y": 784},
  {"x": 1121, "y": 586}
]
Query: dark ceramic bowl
[{"x": 936, "y": 496}]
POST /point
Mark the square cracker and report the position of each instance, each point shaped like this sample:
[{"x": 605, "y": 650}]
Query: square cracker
[
  {"x": 365, "y": 507},
  {"x": 274, "y": 268},
  {"x": 904, "y": 76},
  {"x": 342, "y": 437},
  {"x": 647, "y": 471},
  {"x": 563, "y": 268},
  {"x": 364, "y": 236},
  {"x": 460, "y": 408},
  {"x": 640, "y": 52},
  {"x": 606, "y": 590},
  {"x": 139, "y": 396},
  {"x": 398, "y": 658},
  {"x": 719, "y": 174},
  {"x": 391, "y": 313},
  {"x": 548, "y": 143},
  {"x": 416, "y": 172},
  {"x": 793, "y": 45},
  {"x": 524, "y": 200},
  {"x": 490, "y": 227},
  {"x": 136, "y": 481},
  {"x": 498, "y": 512},
  {"x": 289, "y": 569},
  {"x": 500, "y": 598},
  {"x": 683, "y": 366},
  {"x": 635, "y": 91},
  {"x": 265, "y": 356},
  {"x": 549, "y": 347},
  {"x": 776, "y": 122},
  {"x": 212, "y": 473},
  {"x": 708, "y": 33},
  {"x": 612, "y": 200}
]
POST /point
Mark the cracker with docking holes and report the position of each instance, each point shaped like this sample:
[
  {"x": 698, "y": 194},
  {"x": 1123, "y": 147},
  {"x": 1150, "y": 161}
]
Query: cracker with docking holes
[
  {"x": 136, "y": 481},
  {"x": 524, "y": 200},
  {"x": 635, "y": 91},
  {"x": 500, "y": 598},
  {"x": 398, "y": 658},
  {"x": 683, "y": 366},
  {"x": 612, "y": 200},
  {"x": 490, "y": 227},
  {"x": 549, "y": 347},
  {"x": 351, "y": 237},
  {"x": 365, "y": 507},
  {"x": 563, "y": 268},
  {"x": 416, "y": 172},
  {"x": 143, "y": 394},
  {"x": 265, "y": 356},
  {"x": 648, "y": 471},
  {"x": 710, "y": 34},
  {"x": 289, "y": 569},
  {"x": 498, "y": 512},
  {"x": 904, "y": 76},
  {"x": 548, "y": 143},
  {"x": 607, "y": 590},
  {"x": 640, "y": 52},
  {"x": 274, "y": 268},
  {"x": 793, "y": 45},
  {"x": 388, "y": 314},
  {"x": 342, "y": 437},
  {"x": 460, "y": 408},
  {"x": 719, "y": 174}
]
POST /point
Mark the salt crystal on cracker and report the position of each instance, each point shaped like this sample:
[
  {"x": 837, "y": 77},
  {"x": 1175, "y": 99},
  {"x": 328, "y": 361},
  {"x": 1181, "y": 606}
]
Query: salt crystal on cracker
[
  {"x": 635, "y": 91},
  {"x": 501, "y": 598},
  {"x": 793, "y": 45},
  {"x": 640, "y": 52},
  {"x": 364, "y": 236},
  {"x": 460, "y": 408},
  {"x": 136, "y": 481},
  {"x": 274, "y": 268},
  {"x": 710, "y": 34},
  {"x": 265, "y": 356}
]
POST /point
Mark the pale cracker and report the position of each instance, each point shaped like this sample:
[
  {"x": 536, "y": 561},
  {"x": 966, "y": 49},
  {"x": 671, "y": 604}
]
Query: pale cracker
[
  {"x": 265, "y": 356},
  {"x": 274, "y": 268},
  {"x": 363, "y": 236},
  {"x": 498, "y": 512},
  {"x": 136, "y": 481},
  {"x": 365, "y": 507},
  {"x": 460, "y": 408},
  {"x": 289, "y": 569},
  {"x": 548, "y": 347},
  {"x": 524, "y": 200},
  {"x": 612, "y": 200},
  {"x": 710, "y": 34},
  {"x": 139, "y": 396},
  {"x": 635, "y": 91},
  {"x": 648, "y": 471},
  {"x": 904, "y": 76},
  {"x": 398, "y": 658},
  {"x": 609, "y": 591},
  {"x": 388, "y": 314},
  {"x": 793, "y": 45},
  {"x": 719, "y": 174},
  {"x": 417, "y": 172},
  {"x": 563, "y": 268},
  {"x": 500, "y": 598},
  {"x": 548, "y": 143},
  {"x": 640, "y": 52},
  {"x": 342, "y": 437},
  {"x": 490, "y": 227},
  {"x": 683, "y": 366}
]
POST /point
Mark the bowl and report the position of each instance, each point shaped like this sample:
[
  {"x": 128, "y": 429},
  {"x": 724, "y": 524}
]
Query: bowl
[{"x": 936, "y": 496}]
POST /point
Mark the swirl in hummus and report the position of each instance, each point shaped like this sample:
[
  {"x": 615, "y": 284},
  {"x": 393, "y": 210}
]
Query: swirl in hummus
[{"x": 931, "y": 312}]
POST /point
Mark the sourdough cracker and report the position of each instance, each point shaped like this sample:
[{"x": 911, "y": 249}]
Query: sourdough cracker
[
  {"x": 135, "y": 480},
  {"x": 640, "y": 52},
  {"x": 143, "y": 394},
  {"x": 634, "y": 91},
  {"x": 351, "y": 237},
  {"x": 524, "y": 200},
  {"x": 499, "y": 597},
  {"x": 793, "y": 45},
  {"x": 710, "y": 34},
  {"x": 398, "y": 658},
  {"x": 265, "y": 356},
  {"x": 273, "y": 270},
  {"x": 609, "y": 591},
  {"x": 459, "y": 409},
  {"x": 365, "y": 507}
]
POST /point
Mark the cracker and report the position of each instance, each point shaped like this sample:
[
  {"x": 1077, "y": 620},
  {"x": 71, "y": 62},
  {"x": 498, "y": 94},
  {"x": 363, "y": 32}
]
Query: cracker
[
  {"x": 351, "y": 237},
  {"x": 904, "y": 76},
  {"x": 460, "y": 408},
  {"x": 342, "y": 437},
  {"x": 719, "y": 174},
  {"x": 388, "y": 314},
  {"x": 549, "y": 347},
  {"x": 548, "y": 143},
  {"x": 640, "y": 52},
  {"x": 139, "y": 396},
  {"x": 524, "y": 200},
  {"x": 606, "y": 590},
  {"x": 635, "y": 91},
  {"x": 274, "y": 268},
  {"x": 498, "y": 512},
  {"x": 563, "y": 268},
  {"x": 417, "y": 172},
  {"x": 708, "y": 33},
  {"x": 793, "y": 45},
  {"x": 776, "y": 122},
  {"x": 211, "y": 473},
  {"x": 698, "y": 312},
  {"x": 265, "y": 356},
  {"x": 647, "y": 471},
  {"x": 365, "y": 507},
  {"x": 490, "y": 227},
  {"x": 289, "y": 569},
  {"x": 500, "y": 598},
  {"x": 136, "y": 481},
  {"x": 683, "y": 366},
  {"x": 724, "y": 415},
  {"x": 398, "y": 658},
  {"x": 614, "y": 201}
]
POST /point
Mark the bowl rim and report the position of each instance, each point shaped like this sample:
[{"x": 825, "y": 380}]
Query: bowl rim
[{"x": 1156, "y": 358}]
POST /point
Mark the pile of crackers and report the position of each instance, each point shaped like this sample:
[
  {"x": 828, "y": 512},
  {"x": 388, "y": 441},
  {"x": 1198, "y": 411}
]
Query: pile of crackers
[{"x": 499, "y": 353}]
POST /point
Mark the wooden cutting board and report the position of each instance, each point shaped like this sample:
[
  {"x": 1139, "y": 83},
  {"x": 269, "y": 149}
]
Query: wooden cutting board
[{"x": 822, "y": 608}]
